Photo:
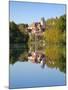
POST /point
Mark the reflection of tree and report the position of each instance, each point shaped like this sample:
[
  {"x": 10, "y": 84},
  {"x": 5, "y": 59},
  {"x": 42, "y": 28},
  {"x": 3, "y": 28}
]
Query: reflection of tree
[
  {"x": 62, "y": 64},
  {"x": 15, "y": 54},
  {"x": 24, "y": 56},
  {"x": 56, "y": 57}
]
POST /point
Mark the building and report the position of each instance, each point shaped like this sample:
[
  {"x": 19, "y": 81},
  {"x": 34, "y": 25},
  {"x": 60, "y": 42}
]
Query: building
[{"x": 37, "y": 26}]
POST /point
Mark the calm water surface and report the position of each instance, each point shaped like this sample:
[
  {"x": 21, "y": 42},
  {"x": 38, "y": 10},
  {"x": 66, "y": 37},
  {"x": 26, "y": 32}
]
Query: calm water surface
[{"x": 27, "y": 74}]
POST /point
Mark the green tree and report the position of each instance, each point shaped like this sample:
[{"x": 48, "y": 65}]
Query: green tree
[
  {"x": 16, "y": 36},
  {"x": 61, "y": 23}
]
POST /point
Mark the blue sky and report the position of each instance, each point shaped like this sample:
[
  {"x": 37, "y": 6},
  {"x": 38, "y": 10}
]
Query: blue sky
[{"x": 27, "y": 12}]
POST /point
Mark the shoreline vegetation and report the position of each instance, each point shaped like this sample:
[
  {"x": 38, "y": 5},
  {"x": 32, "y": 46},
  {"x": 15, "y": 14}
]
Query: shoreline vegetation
[
  {"x": 55, "y": 31},
  {"x": 52, "y": 41}
]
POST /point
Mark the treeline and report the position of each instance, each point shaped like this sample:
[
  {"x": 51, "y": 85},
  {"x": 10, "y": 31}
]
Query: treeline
[
  {"x": 18, "y": 33},
  {"x": 57, "y": 23},
  {"x": 56, "y": 30}
]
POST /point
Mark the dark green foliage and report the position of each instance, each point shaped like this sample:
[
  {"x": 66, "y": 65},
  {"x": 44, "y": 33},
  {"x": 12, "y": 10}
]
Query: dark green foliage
[
  {"x": 16, "y": 36},
  {"x": 61, "y": 23},
  {"x": 18, "y": 52},
  {"x": 23, "y": 27}
]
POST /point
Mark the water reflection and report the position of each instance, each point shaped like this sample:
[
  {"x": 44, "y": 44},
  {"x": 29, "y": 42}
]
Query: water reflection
[
  {"x": 18, "y": 52},
  {"x": 37, "y": 57},
  {"x": 53, "y": 56},
  {"x": 56, "y": 57}
]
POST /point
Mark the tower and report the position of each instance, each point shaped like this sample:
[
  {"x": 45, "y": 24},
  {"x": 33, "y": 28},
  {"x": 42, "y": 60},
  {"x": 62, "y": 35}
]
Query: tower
[{"x": 43, "y": 23}]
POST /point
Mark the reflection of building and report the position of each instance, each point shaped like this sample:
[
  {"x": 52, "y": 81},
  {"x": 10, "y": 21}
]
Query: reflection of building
[{"x": 37, "y": 26}]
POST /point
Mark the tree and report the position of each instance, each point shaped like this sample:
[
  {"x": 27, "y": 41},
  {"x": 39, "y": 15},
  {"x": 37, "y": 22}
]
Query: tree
[
  {"x": 16, "y": 36},
  {"x": 61, "y": 24}
]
